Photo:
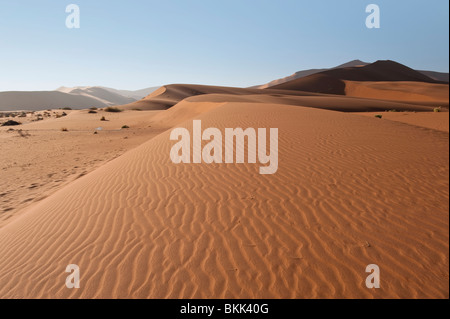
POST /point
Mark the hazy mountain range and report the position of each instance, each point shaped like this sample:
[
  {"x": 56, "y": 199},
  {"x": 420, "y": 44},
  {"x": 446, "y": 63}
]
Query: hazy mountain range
[
  {"x": 97, "y": 96},
  {"x": 75, "y": 97}
]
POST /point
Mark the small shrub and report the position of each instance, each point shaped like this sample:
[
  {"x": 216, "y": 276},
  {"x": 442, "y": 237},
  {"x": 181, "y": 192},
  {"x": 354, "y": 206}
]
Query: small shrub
[
  {"x": 379, "y": 116},
  {"x": 11, "y": 123},
  {"x": 436, "y": 109},
  {"x": 92, "y": 112},
  {"x": 64, "y": 129},
  {"x": 125, "y": 126},
  {"x": 112, "y": 109},
  {"x": 103, "y": 119}
]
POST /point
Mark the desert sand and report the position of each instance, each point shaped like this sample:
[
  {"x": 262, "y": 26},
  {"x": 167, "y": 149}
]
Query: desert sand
[
  {"x": 351, "y": 190},
  {"x": 434, "y": 121},
  {"x": 38, "y": 158}
]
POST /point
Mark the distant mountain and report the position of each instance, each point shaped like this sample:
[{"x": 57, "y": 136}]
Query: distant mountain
[
  {"x": 438, "y": 76},
  {"x": 79, "y": 97},
  {"x": 137, "y": 95},
  {"x": 333, "y": 81},
  {"x": 42, "y": 100},
  {"x": 108, "y": 97}
]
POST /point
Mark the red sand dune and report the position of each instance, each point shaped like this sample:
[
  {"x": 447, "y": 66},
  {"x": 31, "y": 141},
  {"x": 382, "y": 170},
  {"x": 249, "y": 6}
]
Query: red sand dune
[{"x": 349, "y": 192}]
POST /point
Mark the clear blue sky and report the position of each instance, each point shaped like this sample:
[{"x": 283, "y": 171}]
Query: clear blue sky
[{"x": 132, "y": 44}]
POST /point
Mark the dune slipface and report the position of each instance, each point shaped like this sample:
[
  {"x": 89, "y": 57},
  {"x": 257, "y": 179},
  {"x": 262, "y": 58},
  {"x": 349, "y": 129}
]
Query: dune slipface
[{"x": 349, "y": 191}]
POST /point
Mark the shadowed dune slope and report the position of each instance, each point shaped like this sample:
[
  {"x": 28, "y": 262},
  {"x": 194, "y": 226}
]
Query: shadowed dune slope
[
  {"x": 319, "y": 83},
  {"x": 349, "y": 191}
]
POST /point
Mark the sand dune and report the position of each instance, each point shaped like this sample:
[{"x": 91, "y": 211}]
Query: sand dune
[
  {"x": 349, "y": 192},
  {"x": 169, "y": 95}
]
